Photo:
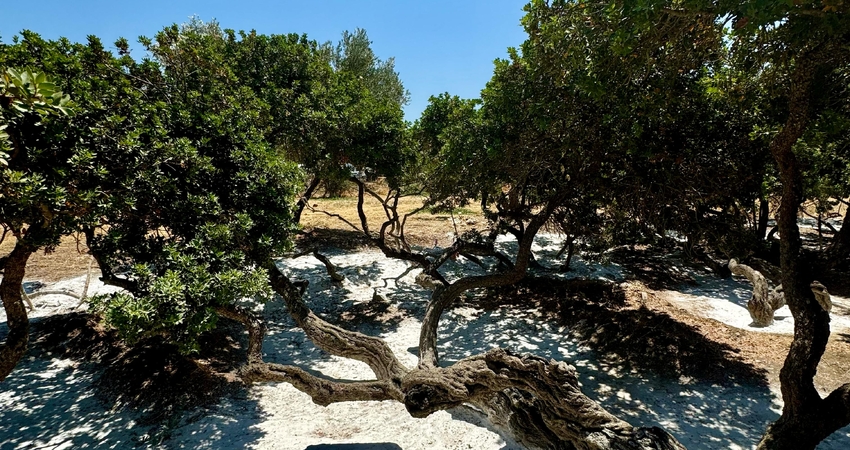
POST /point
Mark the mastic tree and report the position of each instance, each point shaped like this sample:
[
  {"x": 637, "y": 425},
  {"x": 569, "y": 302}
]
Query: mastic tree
[
  {"x": 368, "y": 136},
  {"x": 167, "y": 175},
  {"x": 793, "y": 50},
  {"x": 183, "y": 178},
  {"x": 55, "y": 182}
]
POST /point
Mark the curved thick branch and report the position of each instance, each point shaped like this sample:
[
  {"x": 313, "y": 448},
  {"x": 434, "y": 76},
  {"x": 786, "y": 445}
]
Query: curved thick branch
[
  {"x": 255, "y": 326},
  {"x": 442, "y": 298},
  {"x": 336, "y": 276},
  {"x": 332, "y": 339},
  {"x": 304, "y": 201},
  {"x": 760, "y": 305},
  {"x": 322, "y": 391}
]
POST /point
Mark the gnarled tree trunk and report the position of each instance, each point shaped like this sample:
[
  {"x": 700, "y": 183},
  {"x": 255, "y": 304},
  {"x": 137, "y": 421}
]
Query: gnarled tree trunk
[
  {"x": 14, "y": 267},
  {"x": 806, "y": 417},
  {"x": 763, "y": 303},
  {"x": 540, "y": 402}
]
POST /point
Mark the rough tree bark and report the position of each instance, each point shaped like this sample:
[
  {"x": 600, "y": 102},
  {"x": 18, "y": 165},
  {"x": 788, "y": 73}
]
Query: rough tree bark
[
  {"x": 560, "y": 416},
  {"x": 806, "y": 417},
  {"x": 839, "y": 249},
  {"x": 14, "y": 267}
]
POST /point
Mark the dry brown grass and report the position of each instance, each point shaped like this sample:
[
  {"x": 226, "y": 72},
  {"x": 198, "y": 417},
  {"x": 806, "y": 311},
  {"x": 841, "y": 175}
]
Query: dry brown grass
[
  {"x": 68, "y": 260},
  {"x": 763, "y": 350},
  {"x": 423, "y": 228}
]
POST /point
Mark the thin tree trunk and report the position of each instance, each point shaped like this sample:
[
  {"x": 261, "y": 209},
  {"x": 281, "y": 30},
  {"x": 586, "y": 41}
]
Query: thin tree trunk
[
  {"x": 570, "y": 253},
  {"x": 839, "y": 249},
  {"x": 305, "y": 198},
  {"x": 14, "y": 268},
  {"x": 763, "y": 217},
  {"x": 806, "y": 418}
]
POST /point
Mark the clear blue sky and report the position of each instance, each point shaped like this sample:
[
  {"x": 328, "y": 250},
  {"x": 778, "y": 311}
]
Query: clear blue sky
[{"x": 439, "y": 45}]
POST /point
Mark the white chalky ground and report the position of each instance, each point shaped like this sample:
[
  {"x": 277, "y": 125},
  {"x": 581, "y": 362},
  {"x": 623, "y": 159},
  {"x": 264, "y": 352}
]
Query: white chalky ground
[{"x": 48, "y": 402}]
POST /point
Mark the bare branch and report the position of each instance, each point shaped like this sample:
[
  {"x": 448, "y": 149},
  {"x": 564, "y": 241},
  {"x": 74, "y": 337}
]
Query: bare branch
[
  {"x": 304, "y": 201},
  {"x": 27, "y": 299},
  {"x": 335, "y": 340},
  {"x": 336, "y": 276},
  {"x": 332, "y": 215},
  {"x": 323, "y": 391}
]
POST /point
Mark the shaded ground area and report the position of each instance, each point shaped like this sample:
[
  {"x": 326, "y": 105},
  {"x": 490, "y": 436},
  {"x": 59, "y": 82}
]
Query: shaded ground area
[
  {"x": 151, "y": 376},
  {"x": 600, "y": 316},
  {"x": 74, "y": 367}
]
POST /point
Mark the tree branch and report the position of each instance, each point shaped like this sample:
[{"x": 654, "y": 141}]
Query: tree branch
[
  {"x": 107, "y": 276},
  {"x": 443, "y": 298},
  {"x": 343, "y": 219},
  {"x": 556, "y": 402},
  {"x": 304, "y": 201},
  {"x": 335, "y": 340},
  {"x": 322, "y": 391},
  {"x": 336, "y": 276}
]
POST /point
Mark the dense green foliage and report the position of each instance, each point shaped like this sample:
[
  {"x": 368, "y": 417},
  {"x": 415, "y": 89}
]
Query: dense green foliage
[
  {"x": 181, "y": 169},
  {"x": 647, "y": 118}
]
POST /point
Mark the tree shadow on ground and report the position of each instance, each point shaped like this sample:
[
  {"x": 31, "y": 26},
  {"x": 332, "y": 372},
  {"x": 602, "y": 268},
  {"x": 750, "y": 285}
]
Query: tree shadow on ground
[
  {"x": 642, "y": 365},
  {"x": 597, "y": 315},
  {"x": 346, "y": 239},
  {"x": 80, "y": 386},
  {"x": 656, "y": 267}
]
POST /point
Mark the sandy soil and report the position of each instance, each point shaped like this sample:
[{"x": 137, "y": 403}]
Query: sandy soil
[{"x": 48, "y": 402}]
